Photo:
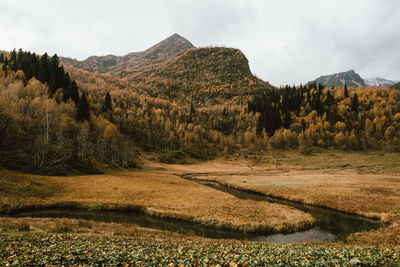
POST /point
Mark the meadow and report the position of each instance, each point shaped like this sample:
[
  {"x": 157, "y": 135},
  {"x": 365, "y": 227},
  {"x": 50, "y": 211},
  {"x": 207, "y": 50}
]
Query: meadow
[
  {"x": 367, "y": 184},
  {"x": 362, "y": 183},
  {"x": 154, "y": 192}
]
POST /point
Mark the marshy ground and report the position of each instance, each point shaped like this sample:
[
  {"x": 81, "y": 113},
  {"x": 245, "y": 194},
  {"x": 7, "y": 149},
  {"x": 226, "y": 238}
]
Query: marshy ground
[{"x": 363, "y": 183}]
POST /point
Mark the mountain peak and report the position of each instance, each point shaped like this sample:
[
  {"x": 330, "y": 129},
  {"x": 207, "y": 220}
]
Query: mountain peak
[
  {"x": 351, "y": 78},
  {"x": 170, "y": 46},
  {"x": 176, "y": 36},
  {"x": 379, "y": 81},
  {"x": 175, "y": 40}
]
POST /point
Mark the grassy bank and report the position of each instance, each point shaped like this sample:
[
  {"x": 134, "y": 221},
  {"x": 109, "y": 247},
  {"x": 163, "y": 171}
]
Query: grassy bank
[
  {"x": 157, "y": 193},
  {"x": 72, "y": 249}
]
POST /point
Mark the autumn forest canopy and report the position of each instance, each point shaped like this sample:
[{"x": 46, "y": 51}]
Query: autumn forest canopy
[{"x": 56, "y": 118}]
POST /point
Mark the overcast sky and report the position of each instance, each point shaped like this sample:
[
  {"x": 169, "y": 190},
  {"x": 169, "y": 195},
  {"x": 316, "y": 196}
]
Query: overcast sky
[{"x": 287, "y": 41}]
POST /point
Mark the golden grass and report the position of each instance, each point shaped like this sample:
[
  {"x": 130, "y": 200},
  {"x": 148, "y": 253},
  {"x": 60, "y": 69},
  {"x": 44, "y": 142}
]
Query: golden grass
[
  {"x": 158, "y": 193},
  {"x": 87, "y": 227},
  {"x": 363, "y": 183}
]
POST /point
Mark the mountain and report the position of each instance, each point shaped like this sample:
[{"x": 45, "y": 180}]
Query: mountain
[
  {"x": 379, "y": 82},
  {"x": 396, "y": 86},
  {"x": 351, "y": 78},
  {"x": 175, "y": 69},
  {"x": 101, "y": 64},
  {"x": 203, "y": 75}
]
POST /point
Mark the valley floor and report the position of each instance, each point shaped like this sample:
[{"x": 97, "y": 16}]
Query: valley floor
[
  {"x": 364, "y": 183},
  {"x": 367, "y": 184}
]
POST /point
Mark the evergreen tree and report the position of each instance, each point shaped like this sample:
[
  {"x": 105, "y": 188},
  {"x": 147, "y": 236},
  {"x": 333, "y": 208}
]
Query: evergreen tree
[
  {"x": 71, "y": 92},
  {"x": 329, "y": 99},
  {"x": 320, "y": 88},
  {"x": 287, "y": 120},
  {"x": 346, "y": 92},
  {"x": 44, "y": 70},
  {"x": 83, "y": 108},
  {"x": 54, "y": 75},
  {"x": 4, "y": 68},
  {"x": 13, "y": 55},
  {"x": 65, "y": 80},
  {"x": 354, "y": 102},
  {"x": 107, "y": 104},
  {"x": 13, "y": 60},
  {"x": 74, "y": 92},
  {"x": 1, "y": 58}
]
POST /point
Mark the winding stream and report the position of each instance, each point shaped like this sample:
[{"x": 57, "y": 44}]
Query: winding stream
[{"x": 330, "y": 225}]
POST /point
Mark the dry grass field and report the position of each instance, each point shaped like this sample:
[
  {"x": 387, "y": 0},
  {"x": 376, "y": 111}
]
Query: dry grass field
[
  {"x": 156, "y": 192},
  {"x": 363, "y": 183},
  {"x": 16, "y": 226}
]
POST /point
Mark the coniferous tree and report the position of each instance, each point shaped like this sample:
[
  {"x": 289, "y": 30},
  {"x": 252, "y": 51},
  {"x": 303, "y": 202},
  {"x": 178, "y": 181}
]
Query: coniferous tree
[
  {"x": 74, "y": 92},
  {"x": 13, "y": 60},
  {"x": 83, "y": 108},
  {"x": 329, "y": 99},
  {"x": 4, "y": 68},
  {"x": 107, "y": 104},
  {"x": 354, "y": 102},
  {"x": 71, "y": 92},
  {"x": 44, "y": 71},
  {"x": 346, "y": 92},
  {"x": 54, "y": 74},
  {"x": 287, "y": 120},
  {"x": 66, "y": 80},
  {"x": 1, "y": 58}
]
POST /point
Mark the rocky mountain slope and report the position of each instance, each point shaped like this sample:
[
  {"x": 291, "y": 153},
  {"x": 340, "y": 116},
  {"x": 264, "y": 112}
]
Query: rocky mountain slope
[
  {"x": 111, "y": 63},
  {"x": 175, "y": 69},
  {"x": 351, "y": 78}
]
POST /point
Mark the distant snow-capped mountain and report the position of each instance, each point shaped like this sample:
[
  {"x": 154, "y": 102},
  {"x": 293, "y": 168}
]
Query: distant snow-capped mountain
[
  {"x": 377, "y": 81},
  {"x": 350, "y": 78}
]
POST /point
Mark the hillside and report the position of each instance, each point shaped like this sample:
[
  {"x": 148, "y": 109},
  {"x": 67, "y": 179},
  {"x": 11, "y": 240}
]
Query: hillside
[
  {"x": 175, "y": 69},
  {"x": 201, "y": 75},
  {"x": 351, "y": 78}
]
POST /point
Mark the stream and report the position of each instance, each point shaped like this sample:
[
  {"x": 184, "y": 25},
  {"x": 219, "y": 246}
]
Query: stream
[{"x": 330, "y": 225}]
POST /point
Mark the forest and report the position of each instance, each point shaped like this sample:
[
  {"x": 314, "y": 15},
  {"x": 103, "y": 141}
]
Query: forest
[{"x": 54, "y": 120}]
